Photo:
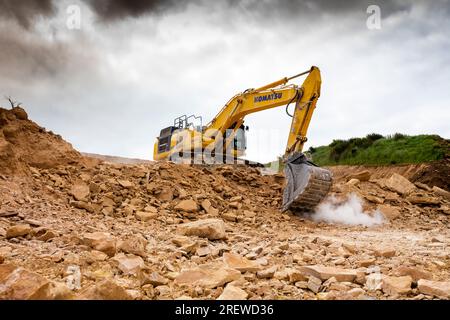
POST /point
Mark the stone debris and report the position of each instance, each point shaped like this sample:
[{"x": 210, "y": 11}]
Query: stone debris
[
  {"x": 213, "y": 229},
  {"x": 157, "y": 230},
  {"x": 233, "y": 293},
  {"x": 440, "y": 289}
]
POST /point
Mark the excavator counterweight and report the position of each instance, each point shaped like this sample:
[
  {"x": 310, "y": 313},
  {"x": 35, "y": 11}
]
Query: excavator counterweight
[{"x": 224, "y": 137}]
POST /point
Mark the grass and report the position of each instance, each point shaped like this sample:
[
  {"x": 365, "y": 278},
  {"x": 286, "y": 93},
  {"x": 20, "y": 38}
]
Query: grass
[{"x": 374, "y": 149}]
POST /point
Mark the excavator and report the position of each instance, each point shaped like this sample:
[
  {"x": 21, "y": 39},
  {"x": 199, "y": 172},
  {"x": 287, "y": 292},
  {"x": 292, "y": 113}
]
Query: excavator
[{"x": 223, "y": 138}]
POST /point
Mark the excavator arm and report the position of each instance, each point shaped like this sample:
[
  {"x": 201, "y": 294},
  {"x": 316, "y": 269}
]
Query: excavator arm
[{"x": 270, "y": 96}]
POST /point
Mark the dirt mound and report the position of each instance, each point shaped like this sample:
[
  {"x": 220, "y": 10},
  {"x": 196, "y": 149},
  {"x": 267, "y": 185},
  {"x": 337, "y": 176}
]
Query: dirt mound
[
  {"x": 23, "y": 143},
  {"x": 435, "y": 174}
]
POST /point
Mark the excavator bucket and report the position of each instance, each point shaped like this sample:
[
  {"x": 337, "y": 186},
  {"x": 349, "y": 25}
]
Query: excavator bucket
[{"x": 306, "y": 184}]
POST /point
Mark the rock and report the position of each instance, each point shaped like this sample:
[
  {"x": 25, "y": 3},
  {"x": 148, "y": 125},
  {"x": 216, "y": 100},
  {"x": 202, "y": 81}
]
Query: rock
[
  {"x": 187, "y": 206},
  {"x": 2, "y": 259},
  {"x": 153, "y": 278},
  {"x": 361, "y": 176},
  {"x": 82, "y": 205},
  {"x": 213, "y": 229},
  {"x": 384, "y": 252},
  {"x": 145, "y": 216},
  {"x": 125, "y": 183},
  {"x": 233, "y": 293},
  {"x": 396, "y": 285},
  {"x": 324, "y": 273},
  {"x": 422, "y": 199},
  {"x": 80, "y": 191},
  {"x": 101, "y": 241},
  {"x": 208, "y": 276},
  {"x": 165, "y": 194},
  {"x": 133, "y": 245},
  {"x": 314, "y": 284},
  {"x": 366, "y": 262},
  {"x": 390, "y": 212},
  {"x": 17, "y": 283},
  {"x": 129, "y": 264},
  {"x": 105, "y": 290},
  {"x": 266, "y": 273},
  {"x": 373, "y": 199},
  {"x": 352, "y": 182},
  {"x": 44, "y": 234},
  {"x": 18, "y": 230},
  {"x": 440, "y": 289},
  {"x": 94, "y": 256},
  {"x": 374, "y": 281},
  {"x": 399, "y": 184},
  {"x": 207, "y": 206},
  {"x": 415, "y": 273},
  {"x": 240, "y": 263},
  {"x": 441, "y": 192}
]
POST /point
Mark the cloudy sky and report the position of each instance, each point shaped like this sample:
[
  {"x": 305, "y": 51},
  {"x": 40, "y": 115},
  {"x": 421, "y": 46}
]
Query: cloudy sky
[{"x": 109, "y": 86}]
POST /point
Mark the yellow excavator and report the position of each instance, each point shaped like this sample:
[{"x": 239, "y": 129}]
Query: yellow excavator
[{"x": 223, "y": 138}]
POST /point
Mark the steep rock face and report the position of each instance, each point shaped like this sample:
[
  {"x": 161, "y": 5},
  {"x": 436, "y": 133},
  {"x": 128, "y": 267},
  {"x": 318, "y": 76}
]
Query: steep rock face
[{"x": 23, "y": 143}]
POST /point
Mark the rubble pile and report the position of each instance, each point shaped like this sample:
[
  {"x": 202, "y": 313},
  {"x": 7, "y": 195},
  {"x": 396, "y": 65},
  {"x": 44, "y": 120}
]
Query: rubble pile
[{"x": 97, "y": 230}]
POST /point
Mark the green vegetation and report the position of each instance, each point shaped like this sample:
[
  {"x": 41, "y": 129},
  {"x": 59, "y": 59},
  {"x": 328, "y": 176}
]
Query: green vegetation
[{"x": 374, "y": 149}]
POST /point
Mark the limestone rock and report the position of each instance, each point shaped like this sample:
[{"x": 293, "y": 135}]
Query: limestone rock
[
  {"x": 389, "y": 211},
  {"x": 385, "y": 252},
  {"x": 361, "y": 176},
  {"x": 324, "y": 273},
  {"x": 208, "y": 276},
  {"x": 240, "y": 263},
  {"x": 104, "y": 290},
  {"x": 80, "y": 191},
  {"x": 187, "y": 206},
  {"x": 441, "y": 192},
  {"x": 213, "y": 229},
  {"x": 415, "y": 273},
  {"x": 145, "y": 215},
  {"x": 396, "y": 285},
  {"x": 440, "y": 289},
  {"x": 17, "y": 283},
  {"x": 400, "y": 184},
  {"x": 101, "y": 241},
  {"x": 233, "y": 293},
  {"x": 18, "y": 230},
  {"x": 129, "y": 264},
  {"x": 153, "y": 278}
]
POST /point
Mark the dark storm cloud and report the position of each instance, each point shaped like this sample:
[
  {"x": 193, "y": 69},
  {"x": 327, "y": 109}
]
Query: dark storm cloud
[{"x": 25, "y": 11}]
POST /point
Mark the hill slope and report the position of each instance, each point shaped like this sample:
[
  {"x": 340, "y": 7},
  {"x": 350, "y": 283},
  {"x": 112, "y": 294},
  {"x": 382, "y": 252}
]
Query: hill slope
[{"x": 375, "y": 149}]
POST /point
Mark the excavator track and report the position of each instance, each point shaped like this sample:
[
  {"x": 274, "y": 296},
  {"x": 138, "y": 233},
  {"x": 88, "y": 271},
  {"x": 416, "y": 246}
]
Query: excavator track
[{"x": 306, "y": 184}]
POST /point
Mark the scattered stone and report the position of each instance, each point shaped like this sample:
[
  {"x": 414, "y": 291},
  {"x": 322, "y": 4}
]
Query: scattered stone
[
  {"x": 389, "y": 211},
  {"x": 400, "y": 184},
  {"x": 415, "y": 273},
  {"x": 361, "y": 176},
  {"x": 240, "y": 263},
  {"x": 145, "y": 216},
  {"x": 352, "y": 182},
  {"x": 125, "y": 183},
  {"x": 441, "y": 192},
  {"x": 213, "y": 229},
  {"x": 153, "y": 278},
  {"x": 267, "y": 273},
  {"x": 129, "y": 264},
  {"x": 104, "y": 290},
  {"x": 314, "y": 284},
  {"x": 374, "y": 281},
  {"x": 133, "y": 245},
  {"x": 44, "y": 234},
  {"x": 396, "y": 285},
  {"x": 325, "y": 273},
  {"x": 80, "y": 191},
  {"x": 19, "y": 230},
  {"x": 233, "y": 293},
  {"x": 187, "y": 206},
  {"x": 440, "y": 289},
  {"x": 421, "y": 199},
  {"x": 208, "y": 276},
  {"x": 101, "y": 241},
  {"x": 384, "y": 252}
]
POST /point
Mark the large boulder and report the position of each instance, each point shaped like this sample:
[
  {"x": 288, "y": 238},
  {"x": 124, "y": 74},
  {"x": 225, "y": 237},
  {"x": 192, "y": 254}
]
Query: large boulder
[{"x": 440, "y": 289}]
